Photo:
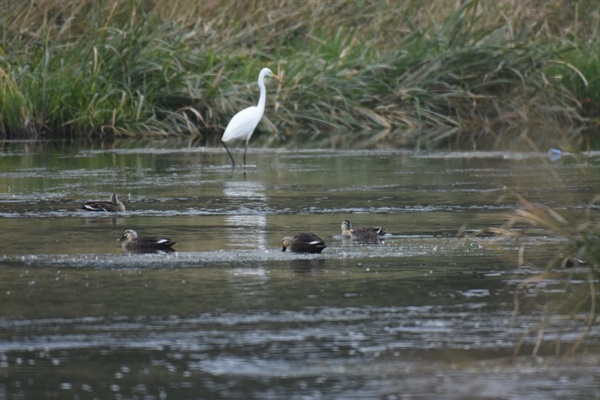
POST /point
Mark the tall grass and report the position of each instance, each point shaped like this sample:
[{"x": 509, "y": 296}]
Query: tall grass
[
  {"x": 573, "y": 269},
  {"x": 364, "y": 73}
]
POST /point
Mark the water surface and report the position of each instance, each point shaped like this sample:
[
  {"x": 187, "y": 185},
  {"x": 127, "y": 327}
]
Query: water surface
[{"x": 427, "y": 313}]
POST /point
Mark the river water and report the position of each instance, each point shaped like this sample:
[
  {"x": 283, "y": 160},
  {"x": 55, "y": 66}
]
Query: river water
[{"x": 426, "y": 313}]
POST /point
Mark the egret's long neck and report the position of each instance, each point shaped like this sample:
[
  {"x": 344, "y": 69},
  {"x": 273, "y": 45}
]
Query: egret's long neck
[{"x": 263, "y": 93}]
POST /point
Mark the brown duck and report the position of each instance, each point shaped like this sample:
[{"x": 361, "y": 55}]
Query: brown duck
[
  {"x": 366, "y": 233},
  {"x": 304, "y": 242},
  {"x": 110, "y": 206},
  {"x": 134, "y": 244}
]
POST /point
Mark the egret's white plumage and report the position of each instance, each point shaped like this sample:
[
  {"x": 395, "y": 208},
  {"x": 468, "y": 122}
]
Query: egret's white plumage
[{"x": 243, "y": 123}]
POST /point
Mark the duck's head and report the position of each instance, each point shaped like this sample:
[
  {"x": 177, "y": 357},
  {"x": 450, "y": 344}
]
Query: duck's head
[
  {"x": 346, "y": 228},
  {"x": 285, "y": 242},
  {"x": 129, "y": 234}
]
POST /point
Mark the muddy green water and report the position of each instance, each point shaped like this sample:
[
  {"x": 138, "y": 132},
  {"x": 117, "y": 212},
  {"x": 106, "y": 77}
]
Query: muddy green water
[{"x": 425, "y": 314}]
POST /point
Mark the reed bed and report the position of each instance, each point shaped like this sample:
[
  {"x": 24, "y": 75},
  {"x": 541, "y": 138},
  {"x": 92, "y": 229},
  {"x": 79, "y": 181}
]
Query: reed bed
[
  {"x": 364, "y": 73},
  {"x": 573, "y": 269}
]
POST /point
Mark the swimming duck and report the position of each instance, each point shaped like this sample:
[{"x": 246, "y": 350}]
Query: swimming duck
[
  {"x": 363, "y": 232},
  {"x": 304, "y": 242},
  {"x": 113, "y": 205},
  {"x": 134, "y": 244}
]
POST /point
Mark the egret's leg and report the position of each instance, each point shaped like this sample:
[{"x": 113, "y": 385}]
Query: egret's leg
[
  {"x": 246, "y": 149},
  {"x": 230, "y": 156}
]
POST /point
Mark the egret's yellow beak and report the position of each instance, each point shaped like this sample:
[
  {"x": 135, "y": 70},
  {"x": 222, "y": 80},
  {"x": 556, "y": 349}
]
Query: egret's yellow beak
[{"x": 276, "y": 77}]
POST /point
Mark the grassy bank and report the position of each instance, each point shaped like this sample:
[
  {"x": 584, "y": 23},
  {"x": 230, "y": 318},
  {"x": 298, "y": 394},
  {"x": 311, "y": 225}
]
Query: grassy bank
[{"x": 355, "y": 73}]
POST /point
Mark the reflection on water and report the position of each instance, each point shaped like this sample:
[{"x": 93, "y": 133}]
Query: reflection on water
[
  {"x": 244, "y": 194},
  {"x": 312, "y": 265},
  {"x": 423, "y": 314}
]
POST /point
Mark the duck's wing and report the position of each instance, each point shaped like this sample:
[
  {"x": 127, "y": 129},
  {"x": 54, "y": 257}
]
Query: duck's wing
[
  {"x": 308, "y": 237},
  {"x": 155, "y": 242},
  {"x": 309, "y": 242},
  {"x": 99, "y": 206},
  {"x": 370, "y": 230}
]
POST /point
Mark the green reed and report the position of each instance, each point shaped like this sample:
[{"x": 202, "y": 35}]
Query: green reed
[{"x": 363, "y": 73}]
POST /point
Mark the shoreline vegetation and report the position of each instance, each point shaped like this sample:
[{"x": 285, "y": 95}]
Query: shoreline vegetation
[
  {"x": 574, "y": 268},
  {"x": 367, "y": 73}
]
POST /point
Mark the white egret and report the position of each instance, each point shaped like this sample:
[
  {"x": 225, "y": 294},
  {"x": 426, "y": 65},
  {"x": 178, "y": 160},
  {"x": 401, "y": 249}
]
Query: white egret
[{"x": 243, "y": 123}]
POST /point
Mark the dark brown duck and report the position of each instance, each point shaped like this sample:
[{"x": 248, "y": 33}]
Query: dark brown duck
[
  {"x": 112, "y": 205},
  {"x": 134, "y": 244},
  {"x": 304, "y": 242}
]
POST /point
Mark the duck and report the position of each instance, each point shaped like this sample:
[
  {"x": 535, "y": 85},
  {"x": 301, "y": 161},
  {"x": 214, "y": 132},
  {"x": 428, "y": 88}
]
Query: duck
[
  {"x": 367, "y": 233},
  {"x": 134, "y": 244},
  {"x": 111, "y": 206},
  {"x": 304, "y": 242}
]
